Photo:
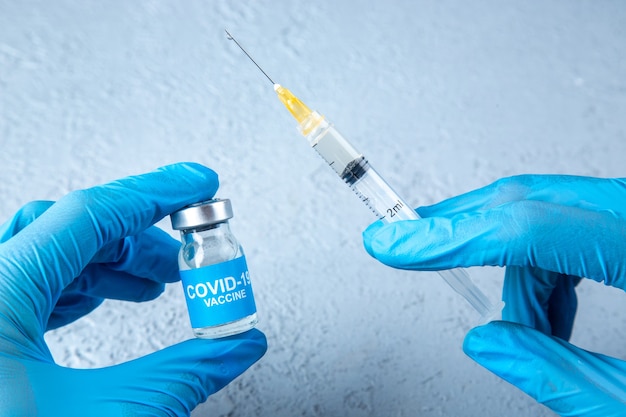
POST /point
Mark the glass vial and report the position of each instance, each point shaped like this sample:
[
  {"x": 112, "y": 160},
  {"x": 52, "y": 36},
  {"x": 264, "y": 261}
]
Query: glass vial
[{"x": 213, "y": 271}]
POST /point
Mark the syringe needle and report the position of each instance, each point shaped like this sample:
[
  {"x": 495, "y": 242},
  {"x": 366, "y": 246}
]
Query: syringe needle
[{"x": 230, "y": 37}]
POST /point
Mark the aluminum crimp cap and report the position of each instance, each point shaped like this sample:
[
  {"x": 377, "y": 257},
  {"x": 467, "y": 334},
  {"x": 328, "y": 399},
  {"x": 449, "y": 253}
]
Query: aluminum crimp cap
[{"x": 202, "y": 214}]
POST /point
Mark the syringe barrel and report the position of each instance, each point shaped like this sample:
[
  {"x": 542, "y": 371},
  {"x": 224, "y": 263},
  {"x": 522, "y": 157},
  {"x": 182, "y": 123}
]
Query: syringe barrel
[
  {"x": 386, "y": 204},
  {"x": 390, "y": 207},
  {"x": 374, "y": 191},
  {"x": 353, "y": 168}
]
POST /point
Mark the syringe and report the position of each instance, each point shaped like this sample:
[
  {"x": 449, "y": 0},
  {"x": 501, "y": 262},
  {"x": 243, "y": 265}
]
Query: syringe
[{"x": 372, "y": 189}]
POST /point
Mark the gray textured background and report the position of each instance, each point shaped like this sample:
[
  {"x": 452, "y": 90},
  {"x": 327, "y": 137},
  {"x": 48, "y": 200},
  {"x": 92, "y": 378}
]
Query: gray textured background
[{"x": 443, "y": 96}]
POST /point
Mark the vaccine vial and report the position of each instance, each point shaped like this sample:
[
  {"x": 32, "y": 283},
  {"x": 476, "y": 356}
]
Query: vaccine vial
[{"x": 213, "y": 271}]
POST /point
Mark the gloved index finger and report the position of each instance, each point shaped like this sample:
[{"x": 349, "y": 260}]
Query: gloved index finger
[
  {"x": 568, "y": 190},
  {"x": 43, "y": 259},
  {"x": 567, "y": 240}
]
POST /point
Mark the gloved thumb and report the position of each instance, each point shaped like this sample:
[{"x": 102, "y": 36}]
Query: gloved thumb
[
  {"x": 565, "y": 378},
  {"x": 175, "y": 380}
]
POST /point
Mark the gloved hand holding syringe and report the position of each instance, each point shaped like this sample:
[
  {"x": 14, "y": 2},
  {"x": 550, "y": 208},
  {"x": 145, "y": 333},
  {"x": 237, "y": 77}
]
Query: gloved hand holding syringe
[{"x": 353, "y": 168}]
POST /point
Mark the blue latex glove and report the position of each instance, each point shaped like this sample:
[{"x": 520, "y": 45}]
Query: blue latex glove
[
  {"x": 60, "y": 261},
  {"x": 549, "y": 231}
]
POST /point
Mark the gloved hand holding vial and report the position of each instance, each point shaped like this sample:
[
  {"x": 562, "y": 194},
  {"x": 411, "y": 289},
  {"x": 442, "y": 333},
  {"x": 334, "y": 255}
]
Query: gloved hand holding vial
[{"x": 60, "y": 260}]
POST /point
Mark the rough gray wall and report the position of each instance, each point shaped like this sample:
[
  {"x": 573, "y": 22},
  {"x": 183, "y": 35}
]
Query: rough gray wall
[{"x": 443, "y": 96}]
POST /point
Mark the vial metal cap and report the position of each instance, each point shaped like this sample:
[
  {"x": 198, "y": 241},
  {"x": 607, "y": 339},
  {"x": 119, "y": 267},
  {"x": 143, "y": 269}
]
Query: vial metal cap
[{"x": 202, "y": 214}]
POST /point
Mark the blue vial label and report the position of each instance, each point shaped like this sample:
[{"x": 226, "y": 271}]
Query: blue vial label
[{"x": 218, "y": 294}]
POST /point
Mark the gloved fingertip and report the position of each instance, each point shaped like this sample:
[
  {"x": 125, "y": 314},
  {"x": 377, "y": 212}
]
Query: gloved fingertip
[
  {"x": 473, "y": 341},
  {"x": 151, "y": 291},
  {"x": 200, "y": 169},
  {"x": 196, "y": 169},
  {"x": 372, "y": 228},
  {"x": 23, "y": 217},
  {"x": 484, "y": 341},
  {"x": 369, "y": 234},
  {"x": 425, "y": 211},
  {"x": 248, "y": 346},
  {"x": 256, "y": 340},
  {"x": 255, "y": 335},
  {"x": 30, "y": 211}
]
